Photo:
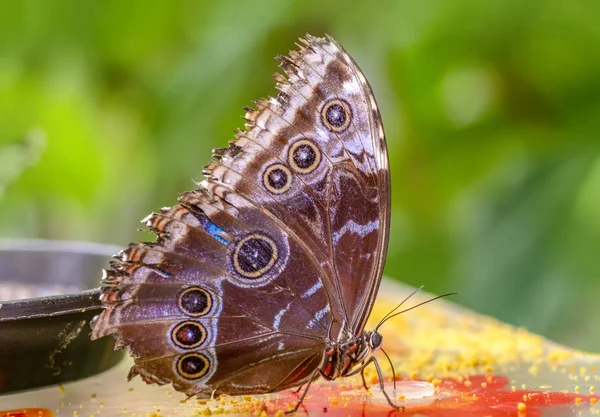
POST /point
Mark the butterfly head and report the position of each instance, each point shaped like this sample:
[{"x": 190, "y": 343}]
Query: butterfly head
[{"x": 375, "y": 340}]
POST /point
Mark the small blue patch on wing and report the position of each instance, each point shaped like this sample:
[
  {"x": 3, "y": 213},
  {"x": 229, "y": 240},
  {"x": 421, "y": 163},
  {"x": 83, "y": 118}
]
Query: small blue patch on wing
[
  {"x": 210, "y": 228},
  {"x": 214, "y": 230}
]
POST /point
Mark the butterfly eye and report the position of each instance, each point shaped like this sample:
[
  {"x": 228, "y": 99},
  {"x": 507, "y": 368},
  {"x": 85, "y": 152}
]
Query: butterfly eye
[
  {"x": 188, "y": 335},
  {"x": 193, "y": 365},
  {"x": 376, "y": 340},
  {"x": 254, "y": 256},
  {"x": 195, "y": 301},
  {"x": 336, "y": 115},
  {"x": 277, "y": 178},
  {"x": 304, "y": 156}
]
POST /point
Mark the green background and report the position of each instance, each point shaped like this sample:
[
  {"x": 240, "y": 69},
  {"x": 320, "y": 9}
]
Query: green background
[{"x": 492, "y": 113}]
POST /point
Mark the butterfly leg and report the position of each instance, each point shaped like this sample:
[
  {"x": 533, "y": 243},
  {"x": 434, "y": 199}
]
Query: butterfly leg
[
  {"x": 312, "y": 378},
  {"x": 364, "y": 381},
  {"x": 392, "y": 366},
  {"x": 380, "y": 376},
  {"x": 381, "y": 384}
]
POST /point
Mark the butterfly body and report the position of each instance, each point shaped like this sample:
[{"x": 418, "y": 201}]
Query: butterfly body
[
  {"x": 263, "y": 278},
  {"x": 340, "y": 360}
]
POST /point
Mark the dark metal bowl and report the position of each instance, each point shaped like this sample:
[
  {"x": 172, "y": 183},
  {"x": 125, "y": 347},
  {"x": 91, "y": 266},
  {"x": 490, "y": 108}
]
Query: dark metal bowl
[{"x": 45, "y": 337}]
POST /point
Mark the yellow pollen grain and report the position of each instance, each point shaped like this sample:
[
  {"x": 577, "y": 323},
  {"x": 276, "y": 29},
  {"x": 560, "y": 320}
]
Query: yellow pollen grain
[
  {"x": 533, "y": 370},
  {"x": 279, "y": 413},
  {"x": 436, "y": 382},
  {"x": 468, "y": 383},
  {"x": 592, "y": 368},
  {"x": 577, "y": 388},
  {"x": 484, "y": 385},
  {"x": 401, "y": 397},
  {"x": 582, "y": 370},
  {"x": 334, "y": 401},
  {"x": 521, "y": 406},
  {"x": 593, "y": 400},
  {"x": 592, "y": 389},
  {"x": 578, "y": 400}
]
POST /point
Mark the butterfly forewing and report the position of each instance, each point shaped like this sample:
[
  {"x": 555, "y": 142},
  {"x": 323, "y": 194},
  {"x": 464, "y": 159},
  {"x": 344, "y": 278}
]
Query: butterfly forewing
[{"x": 278, "y": 253}]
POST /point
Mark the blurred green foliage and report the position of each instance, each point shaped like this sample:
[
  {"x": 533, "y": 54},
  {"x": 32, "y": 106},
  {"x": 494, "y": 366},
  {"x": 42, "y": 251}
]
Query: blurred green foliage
[{"x": 492, "y": 112}]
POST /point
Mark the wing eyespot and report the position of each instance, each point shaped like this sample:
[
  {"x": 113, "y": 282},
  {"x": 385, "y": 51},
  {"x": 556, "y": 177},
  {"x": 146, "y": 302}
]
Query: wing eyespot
[
  {"x": 277, "y": 178},
  {"x": 188, "y": 334},
  {"x": 195, "y": 301},
  {"x": 336, "y": 115},
  {"x": 254, "y": 256},
  {"x": 304, "y": 156},
  {"x": 192, "y": 365}
]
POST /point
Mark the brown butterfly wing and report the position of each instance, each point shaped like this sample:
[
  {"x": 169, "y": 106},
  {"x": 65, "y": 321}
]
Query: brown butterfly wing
[{"x": 279, "y": 251}]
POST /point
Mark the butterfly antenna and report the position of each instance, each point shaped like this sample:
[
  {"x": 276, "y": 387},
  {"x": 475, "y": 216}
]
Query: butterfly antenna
[
  {"x": 415, "y": 306},
  {"x": 392, "y": 365},
  {"x": 399, "y": 305}
]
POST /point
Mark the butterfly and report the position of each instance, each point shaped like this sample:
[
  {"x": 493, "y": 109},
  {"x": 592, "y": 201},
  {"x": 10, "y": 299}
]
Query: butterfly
[{"x": 263, "y": 278}]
